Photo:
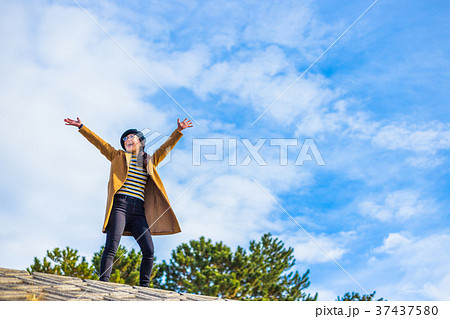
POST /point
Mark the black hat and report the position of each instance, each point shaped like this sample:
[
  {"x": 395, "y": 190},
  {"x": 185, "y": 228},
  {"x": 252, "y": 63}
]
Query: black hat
[{"x": 135, "y": 132}]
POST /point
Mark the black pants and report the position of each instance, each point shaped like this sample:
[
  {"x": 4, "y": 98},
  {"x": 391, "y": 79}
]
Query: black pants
[{"x": 127, "y": 213}]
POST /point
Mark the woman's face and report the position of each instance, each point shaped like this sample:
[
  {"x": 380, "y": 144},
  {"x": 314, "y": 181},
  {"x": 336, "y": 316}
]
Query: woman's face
[{"x": 132, "y": 143}]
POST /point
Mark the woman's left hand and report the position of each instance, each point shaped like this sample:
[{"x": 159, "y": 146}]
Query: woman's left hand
[{"x": 184, "y": 124}]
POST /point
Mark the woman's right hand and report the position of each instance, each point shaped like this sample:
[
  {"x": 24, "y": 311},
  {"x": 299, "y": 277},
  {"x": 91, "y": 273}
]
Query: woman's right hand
[{"x": 76, "y": 123}]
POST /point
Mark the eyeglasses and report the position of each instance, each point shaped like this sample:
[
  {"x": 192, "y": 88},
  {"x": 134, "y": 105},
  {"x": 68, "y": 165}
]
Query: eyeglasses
[{"x": 129, "y": 137}]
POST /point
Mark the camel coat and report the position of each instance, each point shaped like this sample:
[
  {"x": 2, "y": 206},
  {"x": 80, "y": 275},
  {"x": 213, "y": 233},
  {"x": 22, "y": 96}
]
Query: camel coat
[{"x": 158, "y": 212}]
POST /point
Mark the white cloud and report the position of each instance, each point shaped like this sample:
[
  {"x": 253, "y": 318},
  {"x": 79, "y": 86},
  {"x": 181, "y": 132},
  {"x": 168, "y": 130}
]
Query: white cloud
[
  {"x": 425, "y": 138},
  {"x": 397, "y": 206},
  {"x": 419, "y": 264},
  {"x": 292, "y": 24},
  {"x": 422, "y": 141},
  {"x": 309, "y": 252},
  {"x": 425, "y": 161},
  {"x": 393, "y": 242}
]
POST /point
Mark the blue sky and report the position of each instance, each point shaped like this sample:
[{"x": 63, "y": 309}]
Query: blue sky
[{"x": 376, "y": 106}]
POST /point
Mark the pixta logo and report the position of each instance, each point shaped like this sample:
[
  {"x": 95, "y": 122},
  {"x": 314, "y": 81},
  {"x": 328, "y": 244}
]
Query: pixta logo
[
  {"x": 214, "y": 149},
  {"x": 216, "y": 146}
]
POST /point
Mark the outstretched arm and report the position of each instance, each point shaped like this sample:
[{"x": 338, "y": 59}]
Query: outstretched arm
[
  {"x": 107, "y": 150},
  {"x": 168, "y": 145}
]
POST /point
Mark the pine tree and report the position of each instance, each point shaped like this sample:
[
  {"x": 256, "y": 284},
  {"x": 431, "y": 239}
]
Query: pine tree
[
  {"x": 213, "y": 269},
  {"x": 65, "y": 262},
  {"x": 354, "y": 296},
  {"x": 265, "y": 280},
  {"x": 200, "y": 267}
]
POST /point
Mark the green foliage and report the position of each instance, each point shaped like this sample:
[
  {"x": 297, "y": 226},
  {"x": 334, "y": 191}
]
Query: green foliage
[
  {"x": 213, "y": 269},
  {"x": 200, "y": 267},
  {"x": 125, "y": 270},
  {"x": 354, "y": 296},
  {"x": 268, "y": 260},
  {"x": 65, "y": 263}
]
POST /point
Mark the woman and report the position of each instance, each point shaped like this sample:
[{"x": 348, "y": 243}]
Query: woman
[{"x": 137, "y": 203}]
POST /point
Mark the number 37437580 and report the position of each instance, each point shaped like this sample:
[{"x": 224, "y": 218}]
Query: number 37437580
[{"x": 407, "y": 310}]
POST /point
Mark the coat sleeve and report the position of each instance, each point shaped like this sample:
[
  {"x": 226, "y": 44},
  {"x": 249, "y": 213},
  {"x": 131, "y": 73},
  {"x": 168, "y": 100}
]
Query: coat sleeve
[
  {"x": 167, "y": 146},
  {"x": 107, "y": 150}
]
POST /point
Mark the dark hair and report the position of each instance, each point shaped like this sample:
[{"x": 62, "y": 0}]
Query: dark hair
[
  {"x": 142, "y": 155},
  {"x": 142, "y": 158}
]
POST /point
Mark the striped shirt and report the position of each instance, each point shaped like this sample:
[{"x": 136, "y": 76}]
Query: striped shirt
[{"x": 135, "y": 183}]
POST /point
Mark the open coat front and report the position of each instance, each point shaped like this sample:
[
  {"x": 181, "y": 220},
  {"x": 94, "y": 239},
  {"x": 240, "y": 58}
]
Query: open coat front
[{"x": 158, "y": 212}]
